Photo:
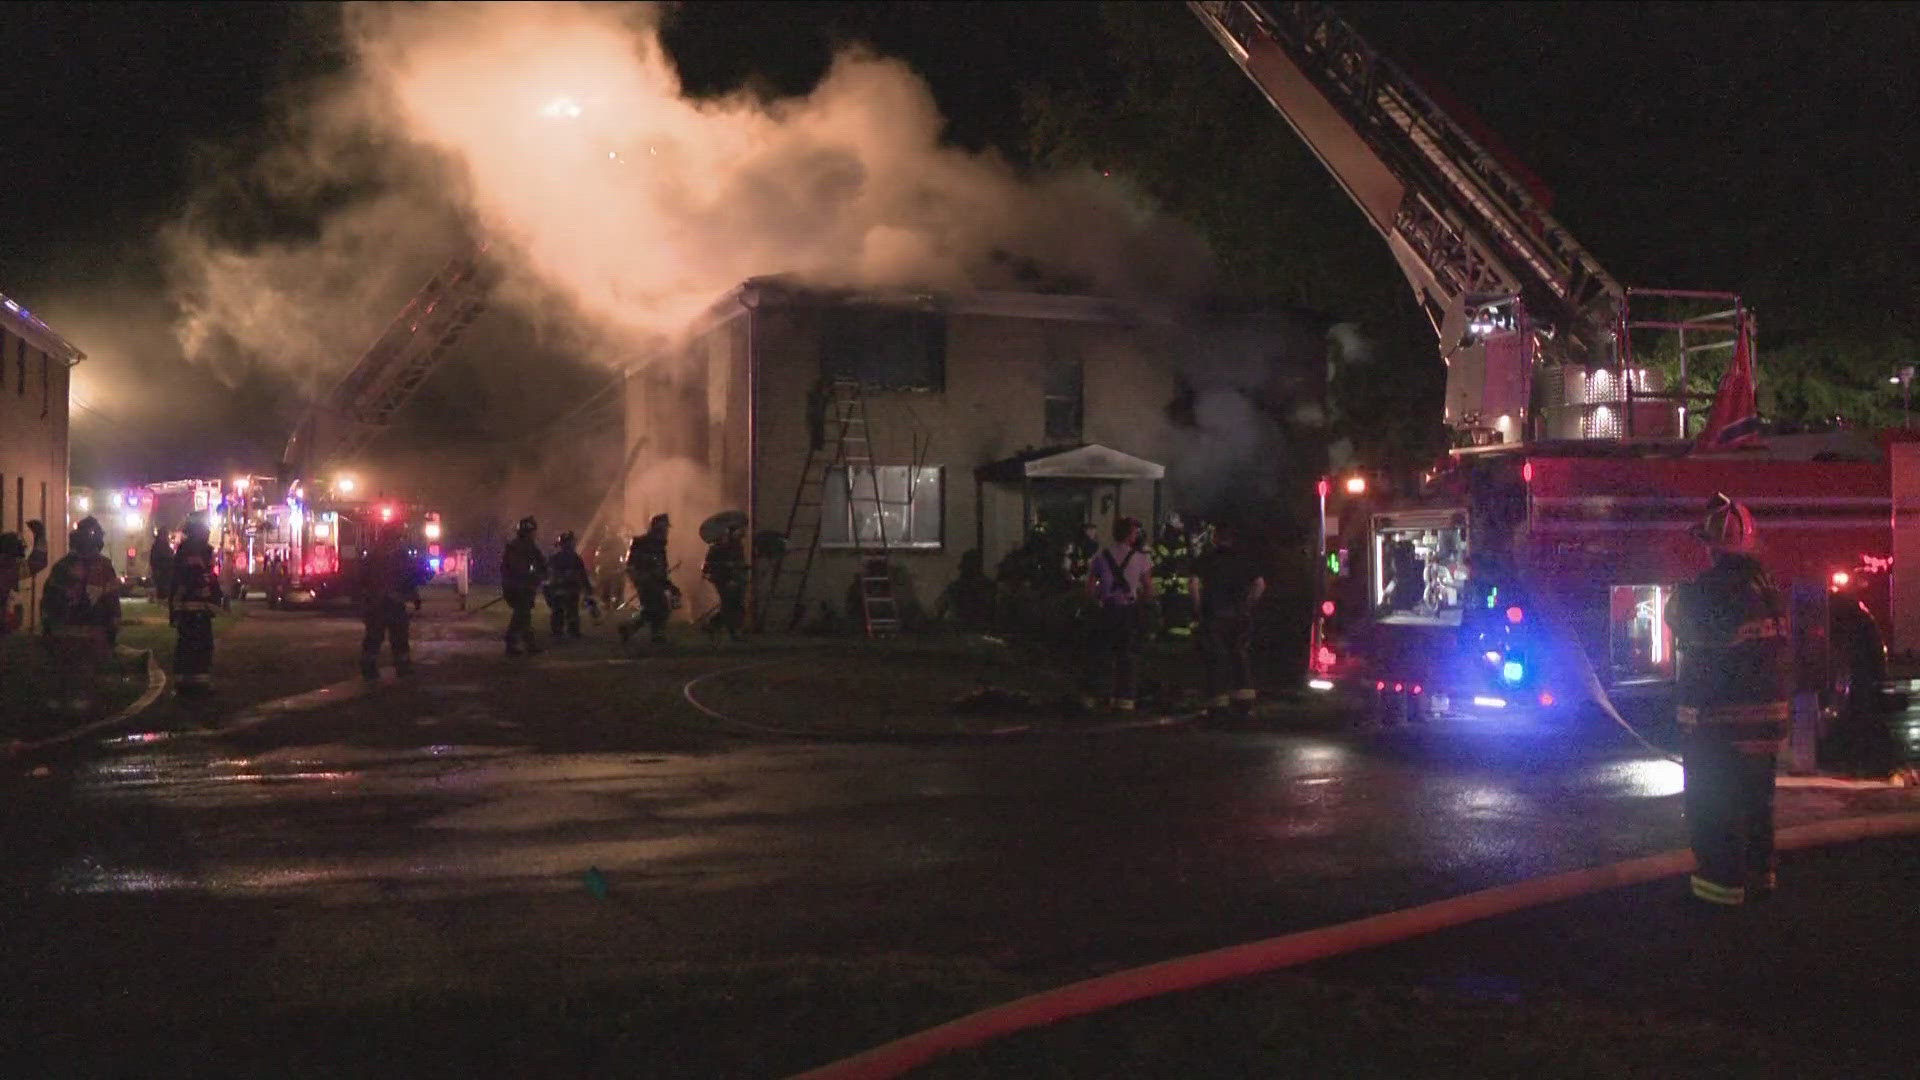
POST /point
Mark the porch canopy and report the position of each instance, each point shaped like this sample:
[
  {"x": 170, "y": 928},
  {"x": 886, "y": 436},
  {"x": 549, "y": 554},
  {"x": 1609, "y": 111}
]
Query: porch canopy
[
  {"x": 1059, "y": 466},
  {"x": 1090, "y": 462}
]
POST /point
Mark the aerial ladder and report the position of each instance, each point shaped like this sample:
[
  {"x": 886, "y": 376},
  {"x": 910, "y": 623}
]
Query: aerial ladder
[
  {"x": 1519, "y": 306},
  {"x": 362, "y": 404}
]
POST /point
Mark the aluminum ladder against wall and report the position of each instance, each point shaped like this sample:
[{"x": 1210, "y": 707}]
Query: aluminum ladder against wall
[{"x": 843, "y": 455}]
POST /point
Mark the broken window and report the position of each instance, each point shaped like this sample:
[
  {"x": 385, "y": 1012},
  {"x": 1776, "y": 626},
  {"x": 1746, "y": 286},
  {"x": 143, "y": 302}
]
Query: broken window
[
  {"x": 895, "y": 506},
  {"x": 1064, "y": 390},
  {"x": 887, "y": 348}
]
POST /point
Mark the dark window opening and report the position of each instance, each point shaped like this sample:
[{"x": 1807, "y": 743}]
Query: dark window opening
[
  {"x": 886, "y": 348},
  {"x": 1066, "y": 403}
]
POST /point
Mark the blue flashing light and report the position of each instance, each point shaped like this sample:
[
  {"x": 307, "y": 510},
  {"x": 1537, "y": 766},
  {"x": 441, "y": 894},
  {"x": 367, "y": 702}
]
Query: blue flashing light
[
  {"x": 1512, "y": 671},
  {"x": 434, "y": 563}
]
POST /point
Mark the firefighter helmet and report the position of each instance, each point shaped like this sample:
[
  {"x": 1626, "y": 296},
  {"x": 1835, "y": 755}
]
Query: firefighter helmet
[
  {"x": 88, "y": 537},
  {"x": 566, "y": 539},
  {"x": 660, "y": 521},
  {"x": 528, "y": 525},
  {"x": 1728, "y": 526},
  {"x": 196, "y": 527}
]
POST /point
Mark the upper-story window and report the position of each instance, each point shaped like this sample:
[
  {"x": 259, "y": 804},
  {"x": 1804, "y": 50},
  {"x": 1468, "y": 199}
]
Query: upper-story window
[
  {"x": 887, "y": 348},
  {"x": 1064, "y": 391}
]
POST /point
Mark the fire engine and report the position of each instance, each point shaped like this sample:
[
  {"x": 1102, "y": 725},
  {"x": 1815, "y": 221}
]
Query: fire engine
[
  {"x": 1533, "y": 565},
  {"x": 320, "y": 520}
]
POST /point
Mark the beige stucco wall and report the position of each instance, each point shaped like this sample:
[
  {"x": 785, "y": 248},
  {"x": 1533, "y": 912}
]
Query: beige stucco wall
[
  {"x": 991, "y": 408},
  {"x": 33, "y": 450}
]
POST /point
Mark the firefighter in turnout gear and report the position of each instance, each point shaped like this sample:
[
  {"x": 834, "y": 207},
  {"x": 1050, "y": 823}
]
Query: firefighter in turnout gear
[
  {"x": 1733, "y": 689},
  {"x": 390, "y": 580},
  {"x": 160, "y": 564},
  {"x": 566, "y": 588},
  {"x": 522, "y": 569},
  {"x": 81, "y": 608},
  {"x": 17, "y": 564},
  {"x": 647, "y": 568},
  {"x": 726, "y": 567},
  {"x": 1229, "y": 586},
  {"x": 193, "y": 595},
  {"x": 1172, "y": 578}
]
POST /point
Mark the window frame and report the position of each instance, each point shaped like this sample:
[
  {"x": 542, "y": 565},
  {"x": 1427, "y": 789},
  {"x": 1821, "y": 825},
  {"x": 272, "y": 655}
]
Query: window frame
[{"x": 839, "y": 503}]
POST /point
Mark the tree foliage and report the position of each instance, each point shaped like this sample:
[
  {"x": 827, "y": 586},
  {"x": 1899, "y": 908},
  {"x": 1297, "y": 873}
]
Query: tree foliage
[{"x": 1166, "y": 110}]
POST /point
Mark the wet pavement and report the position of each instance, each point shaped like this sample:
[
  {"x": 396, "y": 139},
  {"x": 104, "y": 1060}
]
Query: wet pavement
[{"x": 1054, "y": 855}]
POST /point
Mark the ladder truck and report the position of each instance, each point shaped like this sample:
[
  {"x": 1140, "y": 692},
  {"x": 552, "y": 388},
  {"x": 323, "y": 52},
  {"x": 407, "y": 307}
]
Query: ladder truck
[
  {"x": 1536, "y": 560},
  {"x": 321, "y": 522}
]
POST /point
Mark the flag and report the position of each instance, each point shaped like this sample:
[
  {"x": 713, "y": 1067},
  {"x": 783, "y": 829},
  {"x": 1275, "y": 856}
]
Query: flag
[{"x": 1736, "y": 416}]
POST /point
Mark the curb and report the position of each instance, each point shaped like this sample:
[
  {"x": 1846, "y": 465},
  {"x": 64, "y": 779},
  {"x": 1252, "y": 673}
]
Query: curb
[
  {"x": 156, "y": 685},
  {"x": 1290, "y": 950},
  {"x": 1008, "y": 733}
]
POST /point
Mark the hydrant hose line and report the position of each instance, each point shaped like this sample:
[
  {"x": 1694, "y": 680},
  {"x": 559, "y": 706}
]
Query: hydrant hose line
[{"x": 1289, "y": 950}]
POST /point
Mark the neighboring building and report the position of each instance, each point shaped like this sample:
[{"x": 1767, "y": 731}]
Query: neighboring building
[
  {"x": 993, "y": 410},
  {"x": 33, "y": 435}
]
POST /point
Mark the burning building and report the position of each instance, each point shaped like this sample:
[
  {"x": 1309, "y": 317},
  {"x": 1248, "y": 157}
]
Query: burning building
[
  {"x": 977, "y": 415},
  {"x": 34, "y": 363}
]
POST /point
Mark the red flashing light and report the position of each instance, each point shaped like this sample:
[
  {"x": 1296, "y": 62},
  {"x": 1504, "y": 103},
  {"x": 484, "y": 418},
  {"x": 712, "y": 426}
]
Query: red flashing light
[
  {"x": 1326, "y": 607},
  {"x": 433, "y": 549},
  {"x": 1546, "y": 699},
  {"x": 386, "y": 513},
  {"x": 1416, "y": 688},
  {"x": 1515, "y": 615},
  {"x": 1324, "y": 658},
  {"x": 1323, "y": 487},
  {"x": 1841, "y": 579},
  {"x": 1397, "y": 687},
  {"x": 1379, "y": 686},
  {"x": 1526, "y": 472}
]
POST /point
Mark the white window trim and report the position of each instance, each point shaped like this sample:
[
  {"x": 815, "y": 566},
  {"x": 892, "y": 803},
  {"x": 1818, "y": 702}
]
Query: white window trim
[{"x": 843, "y": 538}]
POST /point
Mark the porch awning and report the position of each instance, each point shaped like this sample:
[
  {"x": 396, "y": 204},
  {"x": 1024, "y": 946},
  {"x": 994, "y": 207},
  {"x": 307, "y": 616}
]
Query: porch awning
[{"x": 1090, "y": 462}]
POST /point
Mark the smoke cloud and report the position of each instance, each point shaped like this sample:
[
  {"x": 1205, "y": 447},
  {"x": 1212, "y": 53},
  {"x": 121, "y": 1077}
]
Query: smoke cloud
[{"x": 617, "y": 208}]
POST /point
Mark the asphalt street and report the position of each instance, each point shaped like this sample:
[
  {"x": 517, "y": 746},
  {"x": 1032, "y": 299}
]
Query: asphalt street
[{"x": 351, "y": 842}]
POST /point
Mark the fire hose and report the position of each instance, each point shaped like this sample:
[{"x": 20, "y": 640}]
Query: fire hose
[{"x": 1291, "y": 950}]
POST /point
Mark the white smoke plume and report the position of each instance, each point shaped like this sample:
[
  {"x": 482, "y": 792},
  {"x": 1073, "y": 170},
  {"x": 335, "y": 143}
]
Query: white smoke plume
[{"x": 558, "y": 133}]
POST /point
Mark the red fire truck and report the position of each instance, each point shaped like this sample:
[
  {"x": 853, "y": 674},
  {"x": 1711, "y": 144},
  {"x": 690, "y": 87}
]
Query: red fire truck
[
  {"x": 1534, "y": 564},
  {"x": 1518, "y": 574}
]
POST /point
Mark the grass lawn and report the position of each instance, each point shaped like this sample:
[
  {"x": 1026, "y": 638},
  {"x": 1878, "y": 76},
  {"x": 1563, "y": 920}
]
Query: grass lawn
[{"x": 36, "y": 701}]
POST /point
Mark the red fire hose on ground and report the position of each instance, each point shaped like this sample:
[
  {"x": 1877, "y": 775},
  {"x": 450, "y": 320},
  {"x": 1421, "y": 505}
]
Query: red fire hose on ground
[{"x": 1290, "y": 950}]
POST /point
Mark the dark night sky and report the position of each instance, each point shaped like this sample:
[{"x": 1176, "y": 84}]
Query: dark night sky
[{"x": 1766, "y": 147}]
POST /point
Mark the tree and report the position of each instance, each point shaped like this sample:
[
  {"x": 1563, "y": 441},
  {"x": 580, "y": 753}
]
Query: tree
[{"x": 1167, "y": 111}]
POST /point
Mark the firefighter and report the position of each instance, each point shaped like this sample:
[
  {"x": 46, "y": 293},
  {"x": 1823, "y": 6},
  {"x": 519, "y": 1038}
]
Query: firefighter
[
  {"x": 17, "y": 564},
  {"x": 80, "y": 611},
  {"x": 390, "y": 580},
  {"x": 160, "y": 564},
  {"x": 647, "y": 568},
  {"x": 277, "y": 578},
  {"x": 1733, "y": 687},
  {"x": 1120, "y": 584},
  {"x": 522, "y": 569},
  {"x": 726, "y": 567},
  {"x": 1081, "y": 550},
  {"x": 1228, "y": 586},
  {"x": 610, "y": 573},
  {"x": 567, "y": 587},
  {"x": 1172, "y": 578},
  {"x": 193, "y": 595}
]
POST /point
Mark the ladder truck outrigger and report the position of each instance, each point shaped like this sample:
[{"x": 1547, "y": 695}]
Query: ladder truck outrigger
[
  {"x": 321, "y": 521},
  {"x": 1532, "y": 567}
]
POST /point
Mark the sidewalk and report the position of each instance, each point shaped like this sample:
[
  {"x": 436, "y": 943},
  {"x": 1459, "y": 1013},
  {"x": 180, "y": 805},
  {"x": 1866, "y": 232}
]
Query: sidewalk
[{"x": 1638, "y": 981}]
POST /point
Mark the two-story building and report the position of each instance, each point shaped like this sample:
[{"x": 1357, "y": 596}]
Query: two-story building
[
  {"x": 985, "y": 413},
  {"x": 34, "y": 363}
]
